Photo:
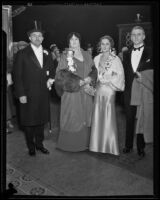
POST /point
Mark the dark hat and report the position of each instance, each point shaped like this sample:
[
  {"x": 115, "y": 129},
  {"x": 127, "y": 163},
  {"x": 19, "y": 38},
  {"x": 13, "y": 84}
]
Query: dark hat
[
  {"x": 52, "y": 46},
  {"x": 36, "y": 27}
]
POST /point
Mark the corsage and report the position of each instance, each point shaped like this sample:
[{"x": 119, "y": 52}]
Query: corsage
[{"x": 71, "y": 65}]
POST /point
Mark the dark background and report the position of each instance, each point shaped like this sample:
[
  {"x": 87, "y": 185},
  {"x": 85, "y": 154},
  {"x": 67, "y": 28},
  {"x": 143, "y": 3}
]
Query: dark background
[{"x": 92, "y": 21}]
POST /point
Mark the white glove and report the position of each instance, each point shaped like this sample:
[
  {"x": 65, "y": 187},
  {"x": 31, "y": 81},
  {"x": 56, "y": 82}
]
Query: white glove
[{"x": 23, "y": 99}]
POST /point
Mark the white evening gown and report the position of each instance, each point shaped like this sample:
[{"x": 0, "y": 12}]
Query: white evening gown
[{"x": 104, "y": 135}]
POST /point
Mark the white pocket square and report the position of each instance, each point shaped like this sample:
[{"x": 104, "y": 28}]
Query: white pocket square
[{"x": 148, "y": 60}]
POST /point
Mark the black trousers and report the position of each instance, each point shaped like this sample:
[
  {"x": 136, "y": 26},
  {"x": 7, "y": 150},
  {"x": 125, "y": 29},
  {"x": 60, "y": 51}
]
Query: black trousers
[
  {"x": 130, "y": 125},
  {"x": 130, "y": 129},
  {"x": 140, "y": 142},
  {"x": 34, "y": 136}
]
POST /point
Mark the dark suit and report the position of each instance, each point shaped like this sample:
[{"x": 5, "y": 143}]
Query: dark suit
[
  {"x": 144, "y": 64},
  {"x": 30, "y": 80},
  {"x": 53, "y": 94}
]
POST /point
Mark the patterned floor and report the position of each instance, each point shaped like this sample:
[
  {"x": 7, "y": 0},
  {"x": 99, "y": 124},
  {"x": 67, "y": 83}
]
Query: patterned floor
[
  {"x": 30, "y": 181},
  {"x": 25, "y": 184}
]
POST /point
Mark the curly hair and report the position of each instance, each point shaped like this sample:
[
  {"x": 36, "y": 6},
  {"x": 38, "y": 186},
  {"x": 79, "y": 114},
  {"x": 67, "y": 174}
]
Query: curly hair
[
  {"x": 109, "y": 38},
  {"x": 70, "y": 35}
]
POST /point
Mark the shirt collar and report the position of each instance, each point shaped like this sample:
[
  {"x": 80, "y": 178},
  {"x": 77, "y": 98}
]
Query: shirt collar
[
  {"x": 142, "y": 44},
  {"x": 138, "y": 49},
  {"x": 36, "y": 48}
]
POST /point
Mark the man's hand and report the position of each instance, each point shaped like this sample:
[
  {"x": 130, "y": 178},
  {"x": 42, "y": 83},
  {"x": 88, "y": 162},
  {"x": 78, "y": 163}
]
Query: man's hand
[
  {"x": 23, "y": 99},
  {"x": 50, "y": 83}
]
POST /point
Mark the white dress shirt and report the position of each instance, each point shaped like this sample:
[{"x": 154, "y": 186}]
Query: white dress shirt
[
  {"x": 39, "y": 53},
  {"x": 135, "y": 58}
]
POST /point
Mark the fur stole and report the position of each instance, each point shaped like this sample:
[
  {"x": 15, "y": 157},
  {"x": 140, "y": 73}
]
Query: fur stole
[
  {"x": 66, "y": 81},
  {"x": 69, "y": 82}
]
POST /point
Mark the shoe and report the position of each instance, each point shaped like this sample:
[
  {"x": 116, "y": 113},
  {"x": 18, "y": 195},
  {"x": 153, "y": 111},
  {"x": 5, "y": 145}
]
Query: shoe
[
  {"x": 127, "y": 150},
  {"x": 32, "y": 152},
  {"x": 43, "y": 150},
  {"x": 141, "y": 153}
]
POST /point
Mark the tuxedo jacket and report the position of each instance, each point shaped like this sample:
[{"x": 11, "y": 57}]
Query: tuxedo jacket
[
  {"x": 30, "y": 79},
  {"x": 145, "y": 63}
]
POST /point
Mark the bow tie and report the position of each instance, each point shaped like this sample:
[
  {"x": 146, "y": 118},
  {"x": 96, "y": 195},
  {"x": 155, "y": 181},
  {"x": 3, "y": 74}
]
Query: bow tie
[{"x": 134, "y": 49}]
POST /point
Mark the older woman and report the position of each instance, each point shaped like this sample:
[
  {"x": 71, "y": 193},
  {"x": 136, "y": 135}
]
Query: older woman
[
  {"x": 110, "y": 79},
  {"x": 73, "y": 72}
]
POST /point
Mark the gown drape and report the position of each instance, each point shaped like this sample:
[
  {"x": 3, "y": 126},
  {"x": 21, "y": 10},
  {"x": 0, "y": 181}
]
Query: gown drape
[
  {"x": 104, "y": 134},
  {"x": 76, "y": 111}
]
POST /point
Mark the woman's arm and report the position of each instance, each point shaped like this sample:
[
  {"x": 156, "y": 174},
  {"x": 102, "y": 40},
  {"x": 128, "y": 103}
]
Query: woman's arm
[
  {"x": 92, "y": 75},
  {"x": 117, "y": 81}
]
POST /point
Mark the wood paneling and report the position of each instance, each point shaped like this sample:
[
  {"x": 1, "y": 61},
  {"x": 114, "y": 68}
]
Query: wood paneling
[
  {"x": 7, "y": 27},
  {"x": 124, "y": 34}
]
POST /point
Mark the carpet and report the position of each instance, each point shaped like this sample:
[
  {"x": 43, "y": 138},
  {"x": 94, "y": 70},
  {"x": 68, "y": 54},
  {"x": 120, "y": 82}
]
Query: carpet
[{"x": 25, "y": 184}]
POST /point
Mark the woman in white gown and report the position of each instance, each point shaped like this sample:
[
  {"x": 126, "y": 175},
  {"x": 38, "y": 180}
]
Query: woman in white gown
[{"x": 104, "y": 136}]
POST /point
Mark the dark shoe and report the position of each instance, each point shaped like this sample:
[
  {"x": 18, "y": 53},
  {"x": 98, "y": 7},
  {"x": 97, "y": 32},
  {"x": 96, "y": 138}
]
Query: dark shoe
[
  {"x": 127, "y": 150},
  {"x": 32, "y": 152},
  {"x": 43, "y": 150},
  {"x": 141, "y": 153}
]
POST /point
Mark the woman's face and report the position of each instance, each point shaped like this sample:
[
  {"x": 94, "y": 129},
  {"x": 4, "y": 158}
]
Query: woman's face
[
  {"x": 90, "y": 50},
  {"x": 74, "y": 42},
  {"x": 105, "y": 45},
  {"x": 57, "y": 52}
]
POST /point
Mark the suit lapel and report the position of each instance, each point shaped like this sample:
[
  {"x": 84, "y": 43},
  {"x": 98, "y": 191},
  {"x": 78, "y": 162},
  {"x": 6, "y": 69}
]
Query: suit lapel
[
  {"x": 33, "y": 57},
  {"x": 142, "y": 59},
  {"x": 130, "y": 62},
  {"x": 44, "y": 59}
]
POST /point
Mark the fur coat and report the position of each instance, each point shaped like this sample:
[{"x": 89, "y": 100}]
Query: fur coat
[{"x": 69, "y": 82}]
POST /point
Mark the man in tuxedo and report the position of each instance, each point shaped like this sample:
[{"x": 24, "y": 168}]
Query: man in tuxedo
[
  {"x": 33, "y": 75},
  {"x": 135, "y": 60}
]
